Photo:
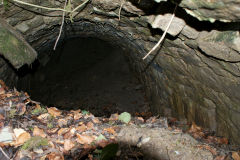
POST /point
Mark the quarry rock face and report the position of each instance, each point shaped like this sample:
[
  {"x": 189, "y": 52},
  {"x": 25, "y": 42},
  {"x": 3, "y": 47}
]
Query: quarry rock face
[{"x": 195, "y": 74}]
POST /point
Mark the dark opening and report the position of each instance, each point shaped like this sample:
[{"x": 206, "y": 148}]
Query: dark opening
[{"x": 89, "y": 74}]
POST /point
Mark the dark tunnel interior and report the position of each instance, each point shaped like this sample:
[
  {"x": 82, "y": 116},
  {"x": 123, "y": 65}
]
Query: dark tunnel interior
[{"x": 88, "y": 74}]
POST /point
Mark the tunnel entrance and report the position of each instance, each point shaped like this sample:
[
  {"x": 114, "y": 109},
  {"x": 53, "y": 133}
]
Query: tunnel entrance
[{"x": 89, "y": 74}]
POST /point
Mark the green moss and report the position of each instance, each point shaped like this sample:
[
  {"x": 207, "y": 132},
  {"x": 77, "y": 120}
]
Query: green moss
[
  {"x": 14, "y": 48},
  {"x": 12, "y": 113},
  {"x": 5, "y": 4},
  {"x": 208, "y": 5},
  {"x": 227, "y": 36},
  {"x": 38, "y": 111},
  {"x": 195, "y": 4},
  {"x": 49, "y": 125},
  {"x": 35, "y": 142}
]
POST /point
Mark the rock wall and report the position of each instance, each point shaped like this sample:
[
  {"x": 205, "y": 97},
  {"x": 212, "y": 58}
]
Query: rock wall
[
  {"x": 7, "y": 73},
  {"x": 195, "y": 75}
]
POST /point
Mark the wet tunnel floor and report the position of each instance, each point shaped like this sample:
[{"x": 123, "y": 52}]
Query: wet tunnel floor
[{"x": 89, "y": 74}]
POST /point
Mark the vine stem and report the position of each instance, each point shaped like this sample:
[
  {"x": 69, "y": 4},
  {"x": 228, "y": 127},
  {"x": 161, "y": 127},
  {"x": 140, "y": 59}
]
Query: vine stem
[
  {"x": 42, "y": 7},
  {"x": 120, "y": 9},
  {"x": 52, "y": 9},
  {"x": 163, "y": 36},
  {"x": 60, "y": 32},
  {"x": 56, "y": 9}
]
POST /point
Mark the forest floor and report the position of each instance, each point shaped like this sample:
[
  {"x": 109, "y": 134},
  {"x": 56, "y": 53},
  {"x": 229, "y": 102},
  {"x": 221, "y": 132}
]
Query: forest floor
[{"x": 29, "y": 130}]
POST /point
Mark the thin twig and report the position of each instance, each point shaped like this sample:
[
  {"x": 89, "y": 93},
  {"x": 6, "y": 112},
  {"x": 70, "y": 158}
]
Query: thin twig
[
  {"x": 120, "y": 9},
  {"x": 163, "y": 36},
  {"x": 52, "y": 9},
  {"x": 79, "y": 6},
  {"x": 4, "y": 153},
  {"x": 60, "y": 32}
]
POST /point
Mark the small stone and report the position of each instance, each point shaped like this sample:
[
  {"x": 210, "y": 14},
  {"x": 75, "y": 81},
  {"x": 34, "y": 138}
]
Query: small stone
[
  {"x": 127, "y": 6},
  {"x": 190, "y": 32},
  {"x": 22, "y": 27},
  {"x": 35, "y": 22},
  {"x": 162, "y": 21},
  {"x": 6, "y": 135},
  {"x": 107, "y": 5}
]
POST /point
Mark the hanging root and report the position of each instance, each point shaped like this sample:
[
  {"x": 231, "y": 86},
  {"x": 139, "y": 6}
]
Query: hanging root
[
  {"x": 163, "y": 36},
  {"x": 120, "y": 9},
  {"x": 60, "y": 32}
]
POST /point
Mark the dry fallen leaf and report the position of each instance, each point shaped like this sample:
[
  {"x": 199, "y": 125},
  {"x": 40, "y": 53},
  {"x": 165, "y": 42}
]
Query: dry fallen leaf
[
  {"x": 81, "y": 128},
  {"x": 114, "y": 117},
  {"x": 222, "y": 140},
  {"x": 90, "y": 125},
  {"x": 198, "y": 135},
  {"x": 2, "y": 91},
  {"x": 152, "y": 120},
  {"x": 63, "y": 131},
  {"x": 96, "y": 120},
  {"x": 110, "y": 130},
  {"x": 3, "y": 85},
  {"x": 39, "y": 132},
  {"x": 68, "y": 145},
  {"x": 54, "y": 111},
  {"x": 52, "y": 145},
  {"x": 2, "y": 117},
  {"x": 235, "y": 156},
  {"x": 55, "y": 156},
  {"x": 194, "y": 128},
  {"x": 70, "y": 133},
  {"x": 43, "y": 118},
  {"x": 18, "y": 131},
  {"x": 52, "y": 131},
  {"x": 22, "y": 138},
  {"x": 62, "y": 122},
  {"x": 211, "y": 139},
  {"x": 21, "y": 108},
  {"x": 75, "y": 111},
  {"x": 84, "y": 139},
  {"x": 77, "y": 116},
  {"x": 140, "y": 119},
  {"x": 59, "y": 141}
]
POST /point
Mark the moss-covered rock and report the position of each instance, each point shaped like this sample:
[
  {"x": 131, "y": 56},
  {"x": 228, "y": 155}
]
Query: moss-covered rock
[
  {"x": 14, "y": 48},
  {"x": 34, "y": 143},
  {"x": 222, "y": 10}
]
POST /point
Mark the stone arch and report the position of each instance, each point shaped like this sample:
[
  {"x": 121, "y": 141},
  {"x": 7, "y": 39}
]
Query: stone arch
[{"x": 190, "y": 78}]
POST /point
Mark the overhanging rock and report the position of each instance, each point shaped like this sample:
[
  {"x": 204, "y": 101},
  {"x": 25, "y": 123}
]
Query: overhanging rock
[{"x": 13, "y": 46}]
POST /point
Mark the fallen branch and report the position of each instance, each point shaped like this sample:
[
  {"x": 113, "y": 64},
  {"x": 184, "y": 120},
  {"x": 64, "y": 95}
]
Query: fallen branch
[
  {"x": 163, "y": 36},
  {"x": 4, "y": 153}
]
